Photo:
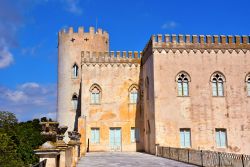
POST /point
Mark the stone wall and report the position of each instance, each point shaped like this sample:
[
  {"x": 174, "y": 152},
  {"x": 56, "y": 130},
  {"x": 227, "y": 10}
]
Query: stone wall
[
  {"x": 114, "y": 76},
  {"x": 200, "y": 111}
]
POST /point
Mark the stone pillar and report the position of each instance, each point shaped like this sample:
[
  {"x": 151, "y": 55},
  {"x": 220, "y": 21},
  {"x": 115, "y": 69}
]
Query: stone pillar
[
  {"x": 61, "y": 145},
  {"x": 74, "y": 144},
  {"x": 48, "y": 150}
]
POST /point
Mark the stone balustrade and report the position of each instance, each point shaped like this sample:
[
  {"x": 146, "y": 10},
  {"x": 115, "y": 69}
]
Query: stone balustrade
[{"x": 55, "y": 151}]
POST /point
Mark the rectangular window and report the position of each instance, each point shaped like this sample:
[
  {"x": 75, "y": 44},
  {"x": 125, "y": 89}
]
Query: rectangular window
[
  {"x": 214, "y": 88},
  {"x": 220, "y": 89},
  {"x": 95, "y": 135},
  {"x": 185, "y": 137},
  {"x": 133, "y": 97},
  {"x": 179, "y": 89},
  {"x": 185, "y": 89},
  {"x": 135, "y": 135},
  {"x": 95, "y": 98},
  {"x": 221, "y": 138}
]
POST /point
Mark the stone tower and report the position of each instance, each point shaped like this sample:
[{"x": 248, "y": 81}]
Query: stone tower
[{"x": 70, "y": 46}]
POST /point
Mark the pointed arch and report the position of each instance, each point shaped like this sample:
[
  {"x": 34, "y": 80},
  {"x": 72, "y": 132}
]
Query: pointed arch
[
  {"x": 133, "y": 93},
  {"x": 183, "y": 79},
  {"x": 218, "y": 80},
  {"x": 95, "y": 94}
]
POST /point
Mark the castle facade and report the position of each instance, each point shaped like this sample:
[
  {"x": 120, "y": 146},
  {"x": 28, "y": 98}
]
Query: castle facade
[{"x": 180, "y": 91}]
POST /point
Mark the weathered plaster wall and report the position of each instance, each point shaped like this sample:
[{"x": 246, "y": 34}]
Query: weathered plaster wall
[
  {"x": 200, "y": 111},
  {"x": 115, "y": 109}
]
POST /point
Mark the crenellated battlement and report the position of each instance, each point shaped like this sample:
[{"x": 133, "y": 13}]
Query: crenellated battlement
[
  {"x": 201, "y": 42},
  {"x": 81, "y": 31},
  {"x": 126, "y": 57},
  {"x": 201, "y": 39}
]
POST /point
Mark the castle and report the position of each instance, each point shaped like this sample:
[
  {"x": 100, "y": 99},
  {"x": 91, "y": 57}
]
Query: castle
[{"x": 180, "y": 91}]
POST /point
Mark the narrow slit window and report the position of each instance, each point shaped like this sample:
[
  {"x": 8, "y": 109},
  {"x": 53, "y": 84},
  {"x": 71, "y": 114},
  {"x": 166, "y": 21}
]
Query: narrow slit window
[{"x": 75, "y": 71}]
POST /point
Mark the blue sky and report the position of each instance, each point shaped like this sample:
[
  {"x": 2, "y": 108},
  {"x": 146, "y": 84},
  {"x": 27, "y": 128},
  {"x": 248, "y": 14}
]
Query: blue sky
[{"x": 28, "y": 37}]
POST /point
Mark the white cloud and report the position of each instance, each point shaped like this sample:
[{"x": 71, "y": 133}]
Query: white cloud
[
  {"x": 30, "y": 85},
  {"x": 169, "y": 25},
  {"x": 16, "y": 96},
  {"x": 72, "y": 6},
  {"x": 6, "y": 58},
  {"x": 29, "y": 100}
]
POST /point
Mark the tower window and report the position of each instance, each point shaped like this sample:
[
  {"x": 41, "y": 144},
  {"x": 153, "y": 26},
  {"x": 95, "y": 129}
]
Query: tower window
[
  {"x": 95, "y": 93},
  {"x": 218, "y": 84},
  {"x": 75, "y": 71},
  {"x": 74, "y": 101},
  {"x": 183, "y": 80}
]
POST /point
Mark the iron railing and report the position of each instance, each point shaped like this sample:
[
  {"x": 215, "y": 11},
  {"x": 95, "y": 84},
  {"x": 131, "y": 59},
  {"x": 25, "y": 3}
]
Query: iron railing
[
  {"x": 204, "y": 157},
  {"x": 41, "y": 163}
]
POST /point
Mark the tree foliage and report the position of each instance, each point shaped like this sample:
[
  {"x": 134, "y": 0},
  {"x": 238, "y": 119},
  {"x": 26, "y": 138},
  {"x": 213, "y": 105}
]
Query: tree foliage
[{"x": 18, "y": 140}]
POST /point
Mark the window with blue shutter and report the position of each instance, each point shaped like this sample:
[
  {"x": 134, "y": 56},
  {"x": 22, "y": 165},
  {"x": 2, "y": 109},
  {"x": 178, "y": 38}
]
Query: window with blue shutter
[
  {"x": 95, "y": 135},
  {"x": 221, "y": 138},
  {"x": 185, "y": 138}
]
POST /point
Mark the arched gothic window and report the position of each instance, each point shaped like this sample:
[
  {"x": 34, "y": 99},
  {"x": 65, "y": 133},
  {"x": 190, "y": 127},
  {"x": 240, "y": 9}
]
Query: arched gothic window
[
  {"x": 248, "y": 84},
  {"x": 133, "y": 94},
  {"x": 74, "y": 101},
  {"x": 95, "y": 94},
  {"x": 75, "y": 71},
  {"x": 183, "y": 80},
  {"x": 218, "y": 80}
]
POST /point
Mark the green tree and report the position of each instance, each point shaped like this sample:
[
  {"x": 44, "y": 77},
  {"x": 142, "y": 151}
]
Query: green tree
[{"x": 18, "y": 140}]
